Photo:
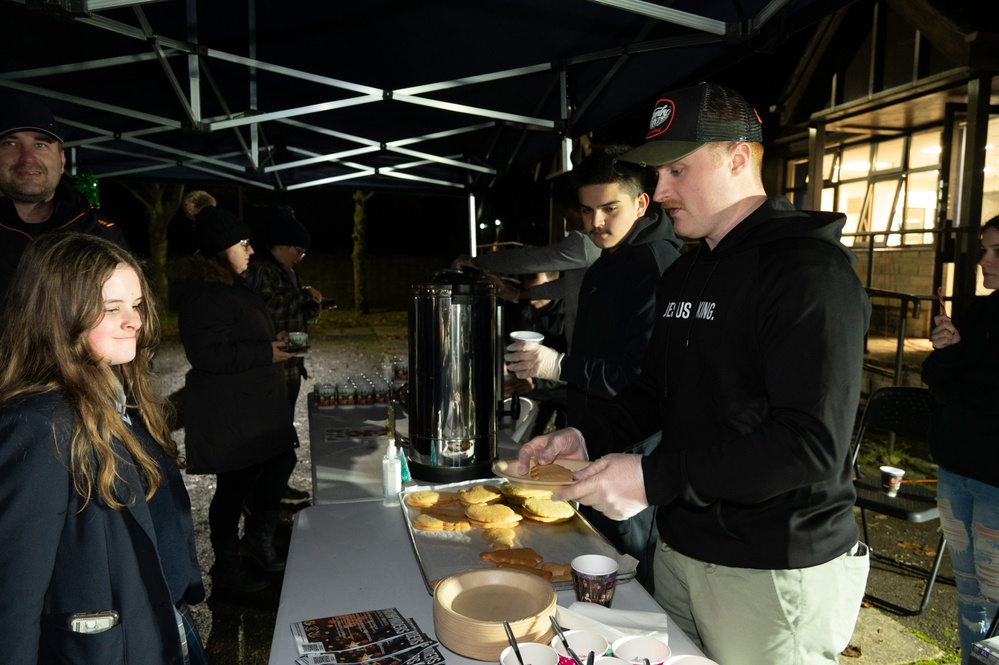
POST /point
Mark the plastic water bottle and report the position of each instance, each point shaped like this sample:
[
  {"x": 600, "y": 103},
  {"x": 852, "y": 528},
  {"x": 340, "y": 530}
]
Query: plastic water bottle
[{"x": 391, "y": 474}]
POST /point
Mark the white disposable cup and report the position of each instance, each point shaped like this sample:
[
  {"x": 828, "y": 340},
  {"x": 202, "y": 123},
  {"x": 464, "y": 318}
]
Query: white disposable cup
[
  {"x": 635, "y": 648},
  {"x": 891, "y": 479},
  {"x": 532, "y": 652},
  {"x": 608, "y": 660},
  {"x": 582, "y": 642},
  {"x": 527, "y": 336}
]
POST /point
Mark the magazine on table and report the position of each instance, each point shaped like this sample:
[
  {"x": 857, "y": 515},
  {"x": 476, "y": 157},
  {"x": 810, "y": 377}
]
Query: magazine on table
[
  {"x": 428, "y": 655},
  {"x": 379, "y": 637}
]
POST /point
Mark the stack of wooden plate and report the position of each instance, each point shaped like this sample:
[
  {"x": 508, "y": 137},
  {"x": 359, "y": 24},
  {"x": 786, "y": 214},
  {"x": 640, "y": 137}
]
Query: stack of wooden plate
[{"x": 470, "y": 608}]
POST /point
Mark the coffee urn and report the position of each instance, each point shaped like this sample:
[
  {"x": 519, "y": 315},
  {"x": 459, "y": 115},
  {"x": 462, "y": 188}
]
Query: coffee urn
[{"x": 453, "y": 381}]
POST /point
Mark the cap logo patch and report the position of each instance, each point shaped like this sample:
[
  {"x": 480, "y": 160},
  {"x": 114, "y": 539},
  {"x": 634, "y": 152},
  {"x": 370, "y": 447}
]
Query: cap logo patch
[{"x": 662, "y": 117}]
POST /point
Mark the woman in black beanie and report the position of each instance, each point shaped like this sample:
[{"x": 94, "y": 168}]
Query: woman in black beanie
[{"x": 236, "y": 415}]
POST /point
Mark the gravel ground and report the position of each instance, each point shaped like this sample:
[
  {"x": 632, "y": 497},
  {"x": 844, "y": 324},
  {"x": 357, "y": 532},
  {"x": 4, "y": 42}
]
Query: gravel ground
[{"x": 238, "y": 630}]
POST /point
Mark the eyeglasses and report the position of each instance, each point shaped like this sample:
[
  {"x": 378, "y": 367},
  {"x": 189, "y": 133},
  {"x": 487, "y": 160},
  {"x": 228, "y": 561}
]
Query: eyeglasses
[
  {"x": 245, "y": 244},
  {"x": 301, "y": 252}
]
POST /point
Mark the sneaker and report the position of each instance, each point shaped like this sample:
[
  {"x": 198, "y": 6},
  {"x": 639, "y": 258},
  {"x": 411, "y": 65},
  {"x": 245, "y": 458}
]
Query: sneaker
[{"x": 294, "y": 497}]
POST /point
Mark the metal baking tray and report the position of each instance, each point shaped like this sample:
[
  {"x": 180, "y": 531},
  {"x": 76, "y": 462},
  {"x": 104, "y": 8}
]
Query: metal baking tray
[{"x": 443, "y": 553}]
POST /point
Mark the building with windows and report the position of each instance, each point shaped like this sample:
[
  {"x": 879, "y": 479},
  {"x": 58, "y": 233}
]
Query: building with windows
[{"x": 892, "y": 117}]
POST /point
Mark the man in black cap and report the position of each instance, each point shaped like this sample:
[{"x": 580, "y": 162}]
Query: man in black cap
[
  {"x": 34, "y": 197},
  {"x": 272, "y": 276},
  {"x": 753, "y": 377}
]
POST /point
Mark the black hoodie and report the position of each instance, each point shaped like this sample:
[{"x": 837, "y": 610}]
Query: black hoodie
[
  {"x": 616, "y": 314},
  {"x": 753, "y": 375}
]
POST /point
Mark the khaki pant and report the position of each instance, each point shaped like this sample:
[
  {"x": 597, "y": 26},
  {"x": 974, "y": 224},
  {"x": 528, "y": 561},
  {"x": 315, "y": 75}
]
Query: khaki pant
[{"x": 744, "y": 616}]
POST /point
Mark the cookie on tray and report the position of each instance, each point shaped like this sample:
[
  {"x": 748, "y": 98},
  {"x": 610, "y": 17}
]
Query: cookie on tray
[
  {"x": 523, "y": 556},
  {"x": 451, "y": 512},
  {"x": 561, "y": 572},
  {"x": 427, "y": 498},
  {"x": 548, "y": 511},
  {"x": 500, "y": 539},
  {"x": 425, "y": 522},
  {"x": 480, "y": 494},
  {"x": 492, "y": 516},
  {"x": 517, "y": 494}
]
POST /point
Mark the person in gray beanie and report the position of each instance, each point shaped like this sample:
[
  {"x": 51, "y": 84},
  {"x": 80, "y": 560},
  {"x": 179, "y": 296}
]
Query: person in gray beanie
[
  {"x": 272, "y": 276},
  {"x": 237, "y": 421}
]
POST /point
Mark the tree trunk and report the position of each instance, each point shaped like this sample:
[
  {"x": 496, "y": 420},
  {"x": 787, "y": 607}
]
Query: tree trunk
[
  {"x": 358, "y": 253},
  {"x": 161, "y": 202}
]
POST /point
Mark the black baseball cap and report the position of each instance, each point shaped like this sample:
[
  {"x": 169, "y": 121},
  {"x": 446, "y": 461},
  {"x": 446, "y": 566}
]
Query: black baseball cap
[
  {"x": 685, "y": 119},
  {"x": 20, "y": 112}
]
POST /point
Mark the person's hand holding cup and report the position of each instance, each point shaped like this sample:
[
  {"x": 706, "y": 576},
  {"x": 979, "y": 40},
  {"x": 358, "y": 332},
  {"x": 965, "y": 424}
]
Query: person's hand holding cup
[{"x": 297, "y": 342}]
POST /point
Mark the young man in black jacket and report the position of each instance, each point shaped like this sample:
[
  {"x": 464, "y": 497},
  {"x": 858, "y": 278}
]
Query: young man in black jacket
[
  {"x": 34, "y": 197},
  {"x": 752, "y": 376},
  {"x": 616, "y": 312}
]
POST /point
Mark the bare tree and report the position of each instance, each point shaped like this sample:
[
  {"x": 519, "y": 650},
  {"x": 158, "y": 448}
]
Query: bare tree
[
  {"x": 161, "y": 201},
  {"x": 360, "y": 248}
]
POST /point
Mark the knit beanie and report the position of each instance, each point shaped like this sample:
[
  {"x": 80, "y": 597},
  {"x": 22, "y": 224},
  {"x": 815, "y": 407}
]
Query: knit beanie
[
  {"x": 215, "y": 229},
  {"x": 284, "y": 229}
]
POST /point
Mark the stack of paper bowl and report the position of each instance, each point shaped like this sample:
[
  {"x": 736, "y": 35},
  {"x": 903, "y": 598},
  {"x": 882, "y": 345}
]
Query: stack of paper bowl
[{"x": 470, "y": 608}]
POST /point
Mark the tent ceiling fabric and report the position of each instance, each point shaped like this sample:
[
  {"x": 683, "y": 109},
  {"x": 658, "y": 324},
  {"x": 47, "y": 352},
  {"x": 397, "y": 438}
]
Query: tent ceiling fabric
[{"x": 444, "y": 95}]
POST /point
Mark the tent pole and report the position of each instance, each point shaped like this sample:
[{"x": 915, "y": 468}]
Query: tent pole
[{"x": 471, "y": 224}]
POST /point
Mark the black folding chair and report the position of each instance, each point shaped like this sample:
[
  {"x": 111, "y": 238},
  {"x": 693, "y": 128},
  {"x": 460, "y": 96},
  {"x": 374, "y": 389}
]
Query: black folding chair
[{"x": 906, "y": 412}]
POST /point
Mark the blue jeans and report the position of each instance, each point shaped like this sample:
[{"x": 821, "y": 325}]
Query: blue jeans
[{"x": 969, "y": 517}]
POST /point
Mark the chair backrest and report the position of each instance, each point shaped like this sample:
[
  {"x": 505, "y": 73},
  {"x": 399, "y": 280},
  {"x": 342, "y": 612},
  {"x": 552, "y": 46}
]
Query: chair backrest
[{"x": 900, "y": 409}]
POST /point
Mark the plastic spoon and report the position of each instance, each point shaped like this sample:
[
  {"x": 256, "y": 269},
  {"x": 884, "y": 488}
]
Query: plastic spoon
[
  {"x": 565, "y": 642},
  {"x": 513, "y": 642},
  {"x": 589, "y": 658}
]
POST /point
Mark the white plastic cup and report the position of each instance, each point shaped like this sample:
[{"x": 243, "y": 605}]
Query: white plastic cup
[
  {"x": 533, "y": 654},
  {"x": 891, "y": 479},
  {"x": 527, "y": 336},
  {"x": 635, "y": 648},
  {"x": 582, "y": 642}
]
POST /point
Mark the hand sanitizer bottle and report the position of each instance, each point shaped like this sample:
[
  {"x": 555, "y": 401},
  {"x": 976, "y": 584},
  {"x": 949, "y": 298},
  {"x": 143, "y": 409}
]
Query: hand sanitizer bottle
[{"x": 391, "y": 474}]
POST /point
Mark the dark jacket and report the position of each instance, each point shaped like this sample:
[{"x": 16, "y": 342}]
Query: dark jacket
[
  {"x": 236, "y": 411},
  {"x": 288, "y": 304},
  {"x": 964, "y": 379},
  {"x": 753, "y": 376},
  {"x": 62, "y": 557},
  {"x": 616, "y": 315},
  {"x": 71, "y": 212}
]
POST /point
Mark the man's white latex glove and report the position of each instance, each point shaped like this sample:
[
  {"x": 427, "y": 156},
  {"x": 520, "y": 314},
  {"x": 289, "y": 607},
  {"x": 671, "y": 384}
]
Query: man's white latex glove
[
  {"x": 567, "y": 443},
  {"x": 527, "y": 359},
  {"x": 613, "y": 484},
  {"x": 504, "y": 289},
  {"x": 464, "y": 261}
]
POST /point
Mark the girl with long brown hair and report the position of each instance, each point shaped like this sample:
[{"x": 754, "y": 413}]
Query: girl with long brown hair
[{"x": 101, "y": 560}]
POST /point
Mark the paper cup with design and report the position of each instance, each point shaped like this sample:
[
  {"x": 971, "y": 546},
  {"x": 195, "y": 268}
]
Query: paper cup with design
[
  {"x": 891, "y": 479},
  {"x": 533, "y": 654},
  {"x": 582, "y": 642},
  {"x": 636, "y": 648},
  {"x": 593, "y": 578},
  {"x": 297, "y": 341}
]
